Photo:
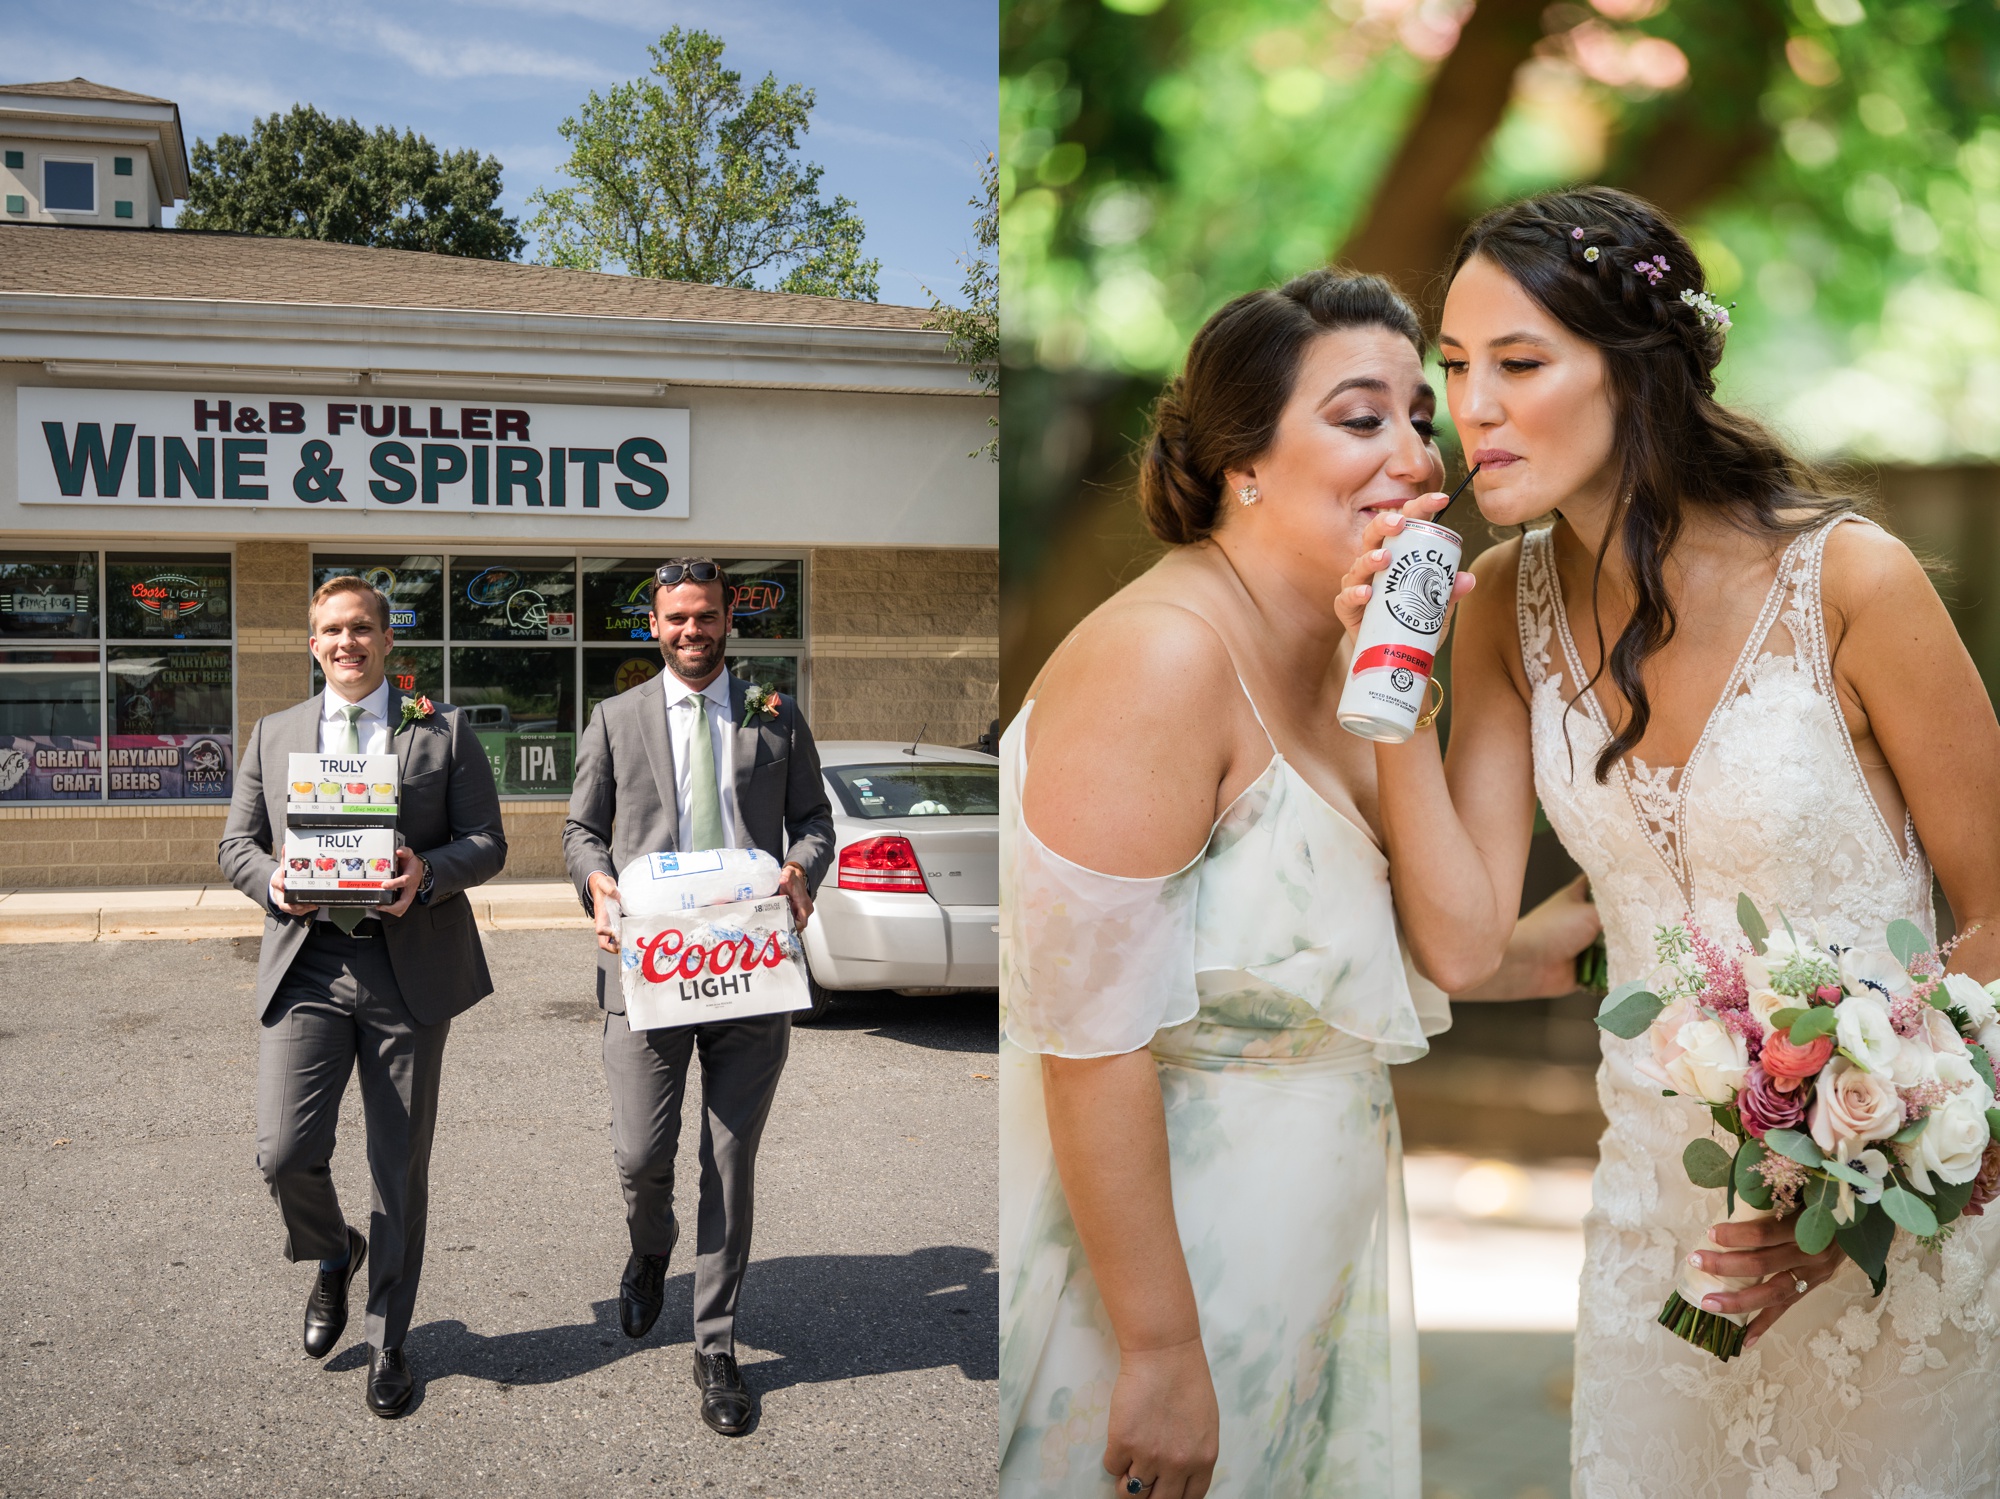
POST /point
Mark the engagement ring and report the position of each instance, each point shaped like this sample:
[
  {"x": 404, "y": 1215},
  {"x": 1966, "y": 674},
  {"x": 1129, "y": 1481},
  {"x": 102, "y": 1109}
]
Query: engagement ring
[{"x": 1800, "y": 1285}]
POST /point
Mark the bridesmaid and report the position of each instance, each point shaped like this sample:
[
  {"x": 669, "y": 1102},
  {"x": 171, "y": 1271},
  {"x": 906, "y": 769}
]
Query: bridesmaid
[{"x": 1204, "y": 1268}]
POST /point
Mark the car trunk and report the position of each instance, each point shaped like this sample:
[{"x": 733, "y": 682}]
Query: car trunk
[{"x": 960, "y": 857}]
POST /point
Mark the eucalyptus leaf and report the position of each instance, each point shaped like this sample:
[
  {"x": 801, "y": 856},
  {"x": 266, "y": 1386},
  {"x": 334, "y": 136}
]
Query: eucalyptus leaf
[
  {"x": 1906, "y": 941},
  {"x": 1725, "y": 1115},
  {"x": 1628, "y": 1010},
  {"x": 1867, "y": 1240},
  {"x": 1981, "y": 1064},
  {"x": 1910, "y": 1211},
  {"x": 1993, "y": 1123},
  {"x": 1752, "y": 922},
  {"x": 1794, "y": 1146},
  {"x": 1816, "y": 1022},
  {"x": 1841, "y": 1172},
  {"x": 1948, "y": 1200},
  {"x": 1751, "y": 1187},
  {"x": 1707, "y": 1163},
  {"x": 1788, "y": 1017},
  {"x": 1815, "y": 1228},
  {"x": 1916, "y": 1126}
]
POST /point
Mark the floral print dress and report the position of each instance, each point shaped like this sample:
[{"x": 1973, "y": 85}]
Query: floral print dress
[{"x": 1269, "y": 981}]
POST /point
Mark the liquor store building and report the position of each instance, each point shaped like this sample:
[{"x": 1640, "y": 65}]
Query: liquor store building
[{"x": 196, "y": 429}]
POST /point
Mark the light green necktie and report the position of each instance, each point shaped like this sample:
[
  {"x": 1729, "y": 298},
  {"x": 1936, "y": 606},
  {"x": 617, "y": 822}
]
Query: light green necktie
[
  {"x": 704, "y": 800},
  {"x": 347, "y": 918}
]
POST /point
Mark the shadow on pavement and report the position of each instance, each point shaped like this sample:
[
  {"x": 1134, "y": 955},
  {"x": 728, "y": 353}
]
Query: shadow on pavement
[
  {"x": 968, "y": 1021},
  {"x": 825, "y": 1317}
]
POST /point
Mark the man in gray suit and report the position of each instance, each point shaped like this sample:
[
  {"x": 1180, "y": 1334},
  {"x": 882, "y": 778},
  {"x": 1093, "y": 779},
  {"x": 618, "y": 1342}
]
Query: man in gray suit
[
  {"x": 339, "y": 986},
  {"x": 680, "y": 763}
]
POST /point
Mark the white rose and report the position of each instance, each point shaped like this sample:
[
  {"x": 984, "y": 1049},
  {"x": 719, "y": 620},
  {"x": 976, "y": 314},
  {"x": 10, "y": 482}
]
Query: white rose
[
  {"x": 1952, "y": 1144},
  {"x": 1663, "y": 1044},
  {"x": 1957, "y": 1074},
  {"x": 1711, "y": 1064},
  {"x": 1764, "y": 1003},
  {"x": 1852, "y": 1107},
  {"x": 1944, "y": 1036},
  {"x": 1970, "y": 996},
  {"x": 1916, "y": 1064},
  {"x": 1989, "y": 1038},
  {"x": 1864, "y": 1033}
]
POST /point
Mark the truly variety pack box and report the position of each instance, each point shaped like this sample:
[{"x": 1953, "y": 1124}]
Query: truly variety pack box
[
  {"x": 341, "y": 791},
  {"x": 338, "y": 866}
]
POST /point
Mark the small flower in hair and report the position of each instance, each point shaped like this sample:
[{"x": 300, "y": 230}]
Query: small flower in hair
[
  {"x": 1591, "y": 254},
  {"x": 1708, "y": 309},
  {"x": 1576, "y": 234},
  {"x": 1653, "y": 269}
]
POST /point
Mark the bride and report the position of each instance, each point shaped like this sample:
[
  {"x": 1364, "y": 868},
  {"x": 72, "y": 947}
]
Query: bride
[
  {"x": 1718, "y": 679},
  {"x": 1204, "y": 1272}
]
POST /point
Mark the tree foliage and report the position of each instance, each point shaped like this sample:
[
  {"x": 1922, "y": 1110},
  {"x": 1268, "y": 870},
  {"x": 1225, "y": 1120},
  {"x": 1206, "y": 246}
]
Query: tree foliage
[
  {"x": 681, "y": 175},
  {"x": 972, "y": 332},
  {"x": 304, "y": 175}
]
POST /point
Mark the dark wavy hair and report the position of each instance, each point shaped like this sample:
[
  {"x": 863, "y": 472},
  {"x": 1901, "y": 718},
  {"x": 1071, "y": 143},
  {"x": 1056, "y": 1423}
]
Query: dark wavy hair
[
  {"x": 1222, "y": 410},
  {"x": 1680, "y": 449}
]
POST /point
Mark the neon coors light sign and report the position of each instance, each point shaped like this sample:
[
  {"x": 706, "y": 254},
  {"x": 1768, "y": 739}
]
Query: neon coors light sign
[{"x": 163, "y": 449}]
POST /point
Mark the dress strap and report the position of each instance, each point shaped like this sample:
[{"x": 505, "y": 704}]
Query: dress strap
[
  {"x": 1805, "y": 606},
  {"x": 1532, "y": 606},
  {"x": 1252, "y": 702}
]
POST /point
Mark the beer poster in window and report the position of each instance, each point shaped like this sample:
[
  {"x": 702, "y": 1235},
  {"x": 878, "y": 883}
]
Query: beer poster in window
[{"x": 49, "y": 768}]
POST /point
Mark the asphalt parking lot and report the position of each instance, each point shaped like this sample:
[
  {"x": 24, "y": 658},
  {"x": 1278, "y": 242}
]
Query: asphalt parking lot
[{"x": 150, "y": 1327}]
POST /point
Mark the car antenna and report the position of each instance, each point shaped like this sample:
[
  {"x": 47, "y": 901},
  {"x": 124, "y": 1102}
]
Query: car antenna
[{"x": 912, "y": 750}]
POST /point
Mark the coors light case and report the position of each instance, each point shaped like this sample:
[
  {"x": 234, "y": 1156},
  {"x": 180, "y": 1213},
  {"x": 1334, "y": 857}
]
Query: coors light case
[{"x": 340, "y": 829}]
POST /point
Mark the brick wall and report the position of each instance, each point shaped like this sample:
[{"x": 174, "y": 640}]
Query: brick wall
[
  {"x": 273, "y": 669},
  {"x": 902, "y": 638},
  {"x": 54, "y": 847}
]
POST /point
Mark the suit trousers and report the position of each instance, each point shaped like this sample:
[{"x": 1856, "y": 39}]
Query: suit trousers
[
  {"x": 740, "y": 1064},
  {"x": 337, "y": 1006}
]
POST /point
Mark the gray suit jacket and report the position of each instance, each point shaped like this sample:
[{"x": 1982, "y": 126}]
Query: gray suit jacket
[
  {"x": 624, "y": 805},
  {"x": 449, "y": 813}
]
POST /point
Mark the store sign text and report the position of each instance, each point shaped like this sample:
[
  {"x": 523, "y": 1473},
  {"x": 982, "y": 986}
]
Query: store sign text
[{"x": 163, "y": 449}]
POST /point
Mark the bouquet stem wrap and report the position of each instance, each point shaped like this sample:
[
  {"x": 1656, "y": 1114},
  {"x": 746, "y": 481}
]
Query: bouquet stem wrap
[{"x": 1719, "y": 1333}]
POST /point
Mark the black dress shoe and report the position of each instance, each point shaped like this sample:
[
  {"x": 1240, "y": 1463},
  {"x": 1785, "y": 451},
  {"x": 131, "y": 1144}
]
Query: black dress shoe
[
  {"x": 640, "y": 1293},
  {"x": 390, "y": 1384},
  {"x": 326, "y": 1308},
  {"x": 725, "y": 1401}
]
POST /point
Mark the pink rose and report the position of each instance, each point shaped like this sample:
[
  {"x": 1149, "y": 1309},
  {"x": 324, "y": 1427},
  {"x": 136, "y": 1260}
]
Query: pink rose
[
  {"x": 1766, "y": 1104},
  {"x": 1663, "y": 1036},
  {"x": 1853, "y": 1107}
]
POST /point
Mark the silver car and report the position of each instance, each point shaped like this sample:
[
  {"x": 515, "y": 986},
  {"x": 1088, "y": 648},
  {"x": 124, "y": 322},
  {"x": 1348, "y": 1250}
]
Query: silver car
[{"x": 912, "y": 900}]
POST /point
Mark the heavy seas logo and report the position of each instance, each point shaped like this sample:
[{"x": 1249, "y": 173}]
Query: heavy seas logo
[
  {"x": 204, "y": 765},
  {"x": 171, "y": 596},
  {"x": 1417, "y": 588}
]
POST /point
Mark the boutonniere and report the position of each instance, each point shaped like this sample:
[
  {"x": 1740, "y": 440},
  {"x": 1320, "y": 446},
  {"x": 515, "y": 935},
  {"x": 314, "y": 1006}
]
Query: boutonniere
[
  {"x": 760, "y": 702},
  {"x": 416, "y": 710}
]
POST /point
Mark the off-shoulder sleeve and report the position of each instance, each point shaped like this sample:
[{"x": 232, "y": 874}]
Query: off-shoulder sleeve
[{"x": 1091, "y": 965}]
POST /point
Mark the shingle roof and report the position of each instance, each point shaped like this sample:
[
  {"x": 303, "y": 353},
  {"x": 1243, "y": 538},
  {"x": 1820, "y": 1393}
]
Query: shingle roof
[
  {"x": 81, "y": 88},
  {"x": 194, "y": 265}
]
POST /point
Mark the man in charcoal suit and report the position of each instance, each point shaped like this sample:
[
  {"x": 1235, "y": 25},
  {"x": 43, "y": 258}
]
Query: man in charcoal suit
[
  {"x": 690, "y": 761},
  {"x": 339, "y": 986}
]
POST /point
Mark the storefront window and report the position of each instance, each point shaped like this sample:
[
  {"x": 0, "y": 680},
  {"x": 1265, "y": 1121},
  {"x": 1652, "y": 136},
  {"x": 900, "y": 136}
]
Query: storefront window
[
  {"x": 48, "y": 596},
  {"x": 164, "y": 596},
  {"x": 415, "y": 586},
  {"x": 170, "y": 721},
  {"x": 608, "y": 673},
  {"x": 48, "y": 725},
  {"x": 768, "y": 598},
  {"x": 618, "y": 596},
  {"x": 779, "y": 673},
  {"x": 521, "y": 703},
  {"x": 526, "y": 598}
]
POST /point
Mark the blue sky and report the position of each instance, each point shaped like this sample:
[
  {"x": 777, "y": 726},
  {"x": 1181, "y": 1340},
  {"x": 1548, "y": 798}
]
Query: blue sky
[{"x": 907, "y": 89}]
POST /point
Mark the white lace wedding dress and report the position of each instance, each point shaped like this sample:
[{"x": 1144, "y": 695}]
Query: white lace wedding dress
[{"x": 1851, "y": 1395}]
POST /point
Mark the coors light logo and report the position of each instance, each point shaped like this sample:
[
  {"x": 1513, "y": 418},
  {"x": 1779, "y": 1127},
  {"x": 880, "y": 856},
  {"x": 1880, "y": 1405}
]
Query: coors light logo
[{"x": 1417, "y": 588}]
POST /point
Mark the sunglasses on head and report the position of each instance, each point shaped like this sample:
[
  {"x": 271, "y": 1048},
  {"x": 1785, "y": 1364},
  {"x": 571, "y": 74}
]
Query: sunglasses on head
[{"x": 670, "y": 573}]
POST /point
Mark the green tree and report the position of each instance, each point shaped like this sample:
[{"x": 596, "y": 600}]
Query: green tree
[
  {"x": 682, "y": 176},
  {"x": 304, "y": 175},
  {"x": 972, "y": 332}
]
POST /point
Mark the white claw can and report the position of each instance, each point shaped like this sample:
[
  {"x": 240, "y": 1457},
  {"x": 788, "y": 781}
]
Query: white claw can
[{"x": 1395, "y": 650}]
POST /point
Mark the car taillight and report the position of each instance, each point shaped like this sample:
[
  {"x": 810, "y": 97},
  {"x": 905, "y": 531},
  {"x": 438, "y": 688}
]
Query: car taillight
[{"x": 886, "y": 863}]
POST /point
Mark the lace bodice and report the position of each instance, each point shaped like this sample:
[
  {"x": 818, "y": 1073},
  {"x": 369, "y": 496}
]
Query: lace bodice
[{"x": 1772, "y": 802}]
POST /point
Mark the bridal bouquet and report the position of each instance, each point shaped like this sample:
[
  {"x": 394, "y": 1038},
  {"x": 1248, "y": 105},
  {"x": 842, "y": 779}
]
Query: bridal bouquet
[{"x": 1854, "y": 1087}]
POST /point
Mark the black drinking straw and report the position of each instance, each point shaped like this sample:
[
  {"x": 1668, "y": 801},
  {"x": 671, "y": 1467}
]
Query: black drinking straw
[{"x": 1457, "y": 492}]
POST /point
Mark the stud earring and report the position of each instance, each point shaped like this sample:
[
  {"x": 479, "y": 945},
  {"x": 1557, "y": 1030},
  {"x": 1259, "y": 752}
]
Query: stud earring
[{"x": 1247, "y": 494}]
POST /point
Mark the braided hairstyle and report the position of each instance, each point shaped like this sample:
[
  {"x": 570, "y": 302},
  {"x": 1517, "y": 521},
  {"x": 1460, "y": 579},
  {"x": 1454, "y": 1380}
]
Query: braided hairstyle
[
  {"x": 1222, "y": 410},
  {"x": 1611, "y": 268}
]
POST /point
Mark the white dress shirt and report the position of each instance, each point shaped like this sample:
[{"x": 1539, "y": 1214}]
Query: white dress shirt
[
  {"x": 715, "y": 712},
  {"x": 372, "y": 726}
]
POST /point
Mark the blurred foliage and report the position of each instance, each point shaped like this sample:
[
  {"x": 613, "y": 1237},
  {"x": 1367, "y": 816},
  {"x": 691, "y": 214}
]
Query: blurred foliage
[
  {"x": 972, "y": 332},
  {"x": 1836, "y": 161}
]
